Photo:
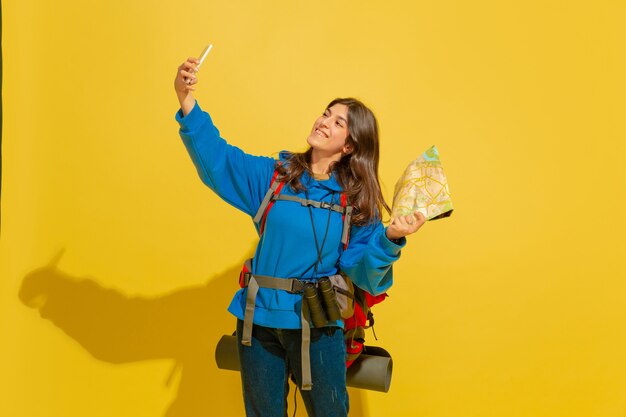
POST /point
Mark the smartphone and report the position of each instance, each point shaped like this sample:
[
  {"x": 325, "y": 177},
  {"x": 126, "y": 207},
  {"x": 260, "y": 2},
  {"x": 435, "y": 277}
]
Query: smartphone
[{"x": 203, "y": 57}]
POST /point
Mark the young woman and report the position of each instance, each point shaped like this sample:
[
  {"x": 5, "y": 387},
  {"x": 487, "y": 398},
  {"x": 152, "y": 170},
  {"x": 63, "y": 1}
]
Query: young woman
[{"x": 301, "y": 241}]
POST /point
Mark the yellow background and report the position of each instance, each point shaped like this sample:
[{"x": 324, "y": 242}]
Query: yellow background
[{"x": 514, "y": 306}]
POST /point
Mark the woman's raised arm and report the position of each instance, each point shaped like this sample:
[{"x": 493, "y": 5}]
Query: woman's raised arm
[{"x": 184, "y": 84}]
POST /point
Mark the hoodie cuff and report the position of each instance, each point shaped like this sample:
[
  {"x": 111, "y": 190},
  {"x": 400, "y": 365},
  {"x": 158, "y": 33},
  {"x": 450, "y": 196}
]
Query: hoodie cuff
[
  {"x": 192, "y": 120},
  {"x": 392, "y": 246}
]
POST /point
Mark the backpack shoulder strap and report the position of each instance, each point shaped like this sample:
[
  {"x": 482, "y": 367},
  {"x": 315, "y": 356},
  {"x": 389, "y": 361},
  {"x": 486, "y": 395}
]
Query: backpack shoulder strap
[
  {"x": 346, "y": 217},
  {"x": 268, "y": 201},
  {"x": 273, "y": 194}
]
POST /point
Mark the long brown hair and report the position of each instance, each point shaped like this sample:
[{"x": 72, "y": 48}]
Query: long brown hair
[{"x": 356, "y": 172}]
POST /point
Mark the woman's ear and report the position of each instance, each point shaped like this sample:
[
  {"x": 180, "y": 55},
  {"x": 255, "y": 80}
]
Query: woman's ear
[{"x": 347, "y": 149}]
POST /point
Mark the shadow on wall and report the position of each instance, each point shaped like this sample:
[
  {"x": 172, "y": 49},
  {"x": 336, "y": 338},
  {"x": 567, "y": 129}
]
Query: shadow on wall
[{"x": 183, "y": 325}]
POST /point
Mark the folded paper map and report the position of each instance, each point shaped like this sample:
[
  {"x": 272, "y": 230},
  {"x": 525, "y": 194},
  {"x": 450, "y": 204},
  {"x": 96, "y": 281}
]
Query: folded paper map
[{"x": 423, "y": 187}]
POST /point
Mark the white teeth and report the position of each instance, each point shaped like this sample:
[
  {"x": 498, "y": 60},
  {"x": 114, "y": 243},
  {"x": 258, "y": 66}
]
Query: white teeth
[{"x": 320, "y": 133}]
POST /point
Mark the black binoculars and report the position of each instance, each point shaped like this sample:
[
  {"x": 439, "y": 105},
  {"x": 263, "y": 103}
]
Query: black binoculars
[{"x": 322, "y": 302}]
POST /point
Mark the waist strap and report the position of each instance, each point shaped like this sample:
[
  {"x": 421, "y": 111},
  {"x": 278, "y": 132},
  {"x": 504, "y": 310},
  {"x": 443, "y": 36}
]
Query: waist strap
[{"x": 254, "y": 282}]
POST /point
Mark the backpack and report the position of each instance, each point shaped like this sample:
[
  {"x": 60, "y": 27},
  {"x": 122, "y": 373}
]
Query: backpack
[{"x": 363, "y": 318}]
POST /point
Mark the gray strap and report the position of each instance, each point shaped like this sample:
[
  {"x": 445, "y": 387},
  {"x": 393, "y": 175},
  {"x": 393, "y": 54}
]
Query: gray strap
[
  {"x": 254, "y": 283},
  {"x": 253, "y": 289},
  {"x": 263, "y": 281},
  {"x": 274, "y": 283},
  {"x": 305, "y": 202},
  {"x": 257, "y": 281},
  {"x": 305, "y": 348},
  {"x": 266, "y": 201},
  {"x": 346, "y": 225}
]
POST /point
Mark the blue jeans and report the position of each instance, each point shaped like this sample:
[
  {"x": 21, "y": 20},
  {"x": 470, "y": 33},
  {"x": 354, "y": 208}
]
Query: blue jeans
[{"x": 275, "y": 353}]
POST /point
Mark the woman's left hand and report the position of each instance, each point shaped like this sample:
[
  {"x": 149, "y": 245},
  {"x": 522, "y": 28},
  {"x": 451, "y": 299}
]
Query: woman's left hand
[{"x": 402, "y": 226}]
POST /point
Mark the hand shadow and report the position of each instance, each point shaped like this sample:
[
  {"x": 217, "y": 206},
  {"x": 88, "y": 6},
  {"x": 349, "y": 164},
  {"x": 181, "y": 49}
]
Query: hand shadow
[{"x": 183, "y": 325}]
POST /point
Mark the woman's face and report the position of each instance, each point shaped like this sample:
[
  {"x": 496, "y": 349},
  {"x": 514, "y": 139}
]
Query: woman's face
[{"x": 329, "y": 133}]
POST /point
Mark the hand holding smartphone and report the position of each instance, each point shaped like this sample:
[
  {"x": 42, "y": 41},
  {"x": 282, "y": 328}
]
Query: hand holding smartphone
[{"x": 202, "y": 57}]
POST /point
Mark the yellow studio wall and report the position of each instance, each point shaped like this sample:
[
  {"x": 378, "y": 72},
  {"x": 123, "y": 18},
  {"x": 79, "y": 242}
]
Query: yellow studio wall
[{"x": 514, "y": 306}]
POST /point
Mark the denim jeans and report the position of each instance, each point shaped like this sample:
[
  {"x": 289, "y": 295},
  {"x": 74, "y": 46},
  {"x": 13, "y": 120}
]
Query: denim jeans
[{"x": 275, "y": 353}]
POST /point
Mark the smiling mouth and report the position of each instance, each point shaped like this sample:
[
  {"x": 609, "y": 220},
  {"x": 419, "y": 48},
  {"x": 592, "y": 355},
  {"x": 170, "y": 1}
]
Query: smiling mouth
[{"x": 320, "y": 133}]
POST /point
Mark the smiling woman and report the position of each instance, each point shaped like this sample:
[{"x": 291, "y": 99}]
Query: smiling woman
[{"x": 331, "y": 192}]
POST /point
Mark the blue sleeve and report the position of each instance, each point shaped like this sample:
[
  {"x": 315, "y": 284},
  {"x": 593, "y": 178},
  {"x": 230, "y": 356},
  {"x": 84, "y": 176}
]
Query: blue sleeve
[
  {"x": 369, "y": 257},
  {"x": 238, "y": 178}
]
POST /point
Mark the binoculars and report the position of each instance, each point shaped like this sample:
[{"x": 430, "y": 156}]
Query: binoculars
[{"x": 322, "y": 302}]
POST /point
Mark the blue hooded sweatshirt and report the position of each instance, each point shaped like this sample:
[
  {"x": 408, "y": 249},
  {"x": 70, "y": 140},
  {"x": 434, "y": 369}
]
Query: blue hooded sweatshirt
[{"x": 294, "y": 234}]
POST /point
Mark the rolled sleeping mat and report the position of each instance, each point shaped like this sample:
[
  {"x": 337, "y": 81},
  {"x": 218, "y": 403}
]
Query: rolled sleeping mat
[{"x": 371, "y": 370}]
